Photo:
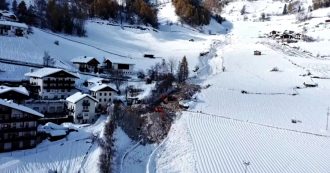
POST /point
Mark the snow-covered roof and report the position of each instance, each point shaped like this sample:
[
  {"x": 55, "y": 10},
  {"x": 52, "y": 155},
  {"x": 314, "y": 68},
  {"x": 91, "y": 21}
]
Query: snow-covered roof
[
  {"x": 83, "y": 59},
  {"x": 54, "y": 133},
  {"x": 20, "y": 107},
  {"x": 46, "y": 71},
  {"x": 102, "y": 86},
  {"x": 95, "y": 80},
  {"x": 78, "y": 96},
  {"x": 16, "y": 24},
  {"x": 120, "y": 60},
  {"x": 20, "y": 89}
]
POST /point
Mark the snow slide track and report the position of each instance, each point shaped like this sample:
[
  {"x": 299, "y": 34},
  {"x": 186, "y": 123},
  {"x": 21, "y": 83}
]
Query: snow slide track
[{"x": 259, "y": 124}]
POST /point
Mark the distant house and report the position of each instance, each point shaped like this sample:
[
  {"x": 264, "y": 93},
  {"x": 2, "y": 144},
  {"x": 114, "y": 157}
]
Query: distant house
[
  {"x": 6, "y": 15},
  {"x": 257, "y": 52},
  {"x": 123, "y": 65},
  {"x": 82, "y": 107},
  {"x": 105, "y": 94},
  {"x": 18, "y": 126},
  {"x": 11, "y": 28},
  {"x": 286, "y": 36},
  {"x": 298, "y": 36},
  {"x": 52, "y": 83},
  {"x": 86, "y": 64},
  {"x": 17, "y": 94}
]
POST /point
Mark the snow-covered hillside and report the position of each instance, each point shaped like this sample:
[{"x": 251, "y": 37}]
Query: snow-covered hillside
[{"x": 251, "y": 112}]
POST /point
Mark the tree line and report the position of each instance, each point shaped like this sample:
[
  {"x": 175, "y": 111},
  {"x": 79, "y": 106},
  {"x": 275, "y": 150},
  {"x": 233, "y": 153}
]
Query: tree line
[
  {"x": 192, "y": 12},
  {"x": 132, "y": 12},
  {"x": 321, "y": 4}
]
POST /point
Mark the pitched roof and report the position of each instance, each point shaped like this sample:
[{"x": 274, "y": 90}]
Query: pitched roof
[
  {"x": 95, "y": 80},
  {"x": 46, "y": 72},
  {"x": 101, "y": 87},
  {"x": 13, "y": 105},
  {"x": 78, "y": 96},
  {"x": 120, "y": 60},
  {"x": 83, "y": 59},
  {"x": 20, "y": 89},
  {"x": 16, "y": 24}
]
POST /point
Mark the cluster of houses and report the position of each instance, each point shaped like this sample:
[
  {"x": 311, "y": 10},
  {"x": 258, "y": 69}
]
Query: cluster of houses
[
  {"x": 286, "y": 36},
  {"x": 10, "y": 26},
  {"x": 50, "y": 96},
  {"x": 93, "y": 65}
]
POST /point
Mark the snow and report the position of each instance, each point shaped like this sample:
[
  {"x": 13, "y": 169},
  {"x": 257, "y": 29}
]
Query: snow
[
  {"x": 22, "y": 108},
  {"x": 166, "y": 14},
  {"x": 77, "y": 152},
  {"x": 78, "y": 96},
  {"x": 40, "y": 73},
  {"x": 102, "y": 86},
  {"x": 225, "y": 144},
  {"x": 20, "y": 89},
  {"x": 16, "y": 24},
  {"x": 227, "y": 127}
]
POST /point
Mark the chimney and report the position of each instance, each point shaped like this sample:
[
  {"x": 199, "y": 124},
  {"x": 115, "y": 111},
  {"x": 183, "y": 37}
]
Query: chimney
[{"x": 31, "y": 70}]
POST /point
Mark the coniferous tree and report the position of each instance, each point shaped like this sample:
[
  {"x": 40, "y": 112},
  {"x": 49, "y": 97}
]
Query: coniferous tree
[
  {"x": 285, "y": 10},
  {"x": 183, "y": 71},
  {"x": 14, "y": 6},
  {"x": 3, "y": 5},
  {"x": 21, "y": 11}
]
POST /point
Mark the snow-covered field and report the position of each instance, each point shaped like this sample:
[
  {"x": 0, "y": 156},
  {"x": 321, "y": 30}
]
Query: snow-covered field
[
  {"x": 246, "y": 114},
  {"x": 79, "y": 152}
]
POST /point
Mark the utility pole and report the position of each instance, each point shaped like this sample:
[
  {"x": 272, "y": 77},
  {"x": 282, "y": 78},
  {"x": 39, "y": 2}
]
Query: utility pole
[{"x": 326, "y": 128}]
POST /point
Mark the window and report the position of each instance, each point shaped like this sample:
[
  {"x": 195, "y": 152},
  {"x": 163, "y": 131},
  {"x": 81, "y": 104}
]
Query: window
[
  {"x": 85, "y": 108},
  {"x": 100, "y": 94},
  {"x": 109, "y": 94},
  {"x": 105, "y": 94},
  {"x": 109, "y": 100},
  {"x": 105, "y": 100},
  {"x": 100, "y": 100},
  {"x": 62, "y": 96}
]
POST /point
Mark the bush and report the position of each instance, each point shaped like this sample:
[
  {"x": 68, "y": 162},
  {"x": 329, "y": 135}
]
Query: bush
[{"x": 56, "y": 42}]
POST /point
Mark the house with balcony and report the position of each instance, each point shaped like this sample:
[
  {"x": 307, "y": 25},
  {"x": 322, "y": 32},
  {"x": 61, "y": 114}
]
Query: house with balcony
[
  {"x": 52, "y": 83},
  {"x": 122, "y": 65},
  {"x": 17, "y": 94},
  {"x": 82, "y": 107},
  {"x": 86, "y": 64},
  {"x": 105, "y": 94},
  {"x": 18, "y": 126}
]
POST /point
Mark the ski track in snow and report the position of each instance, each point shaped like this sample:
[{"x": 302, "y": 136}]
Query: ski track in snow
[{"x": 225, "y": 144}]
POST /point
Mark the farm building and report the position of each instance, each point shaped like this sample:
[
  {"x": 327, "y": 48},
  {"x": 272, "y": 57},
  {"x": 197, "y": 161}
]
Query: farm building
[
  {"x": 86, "y": 64},
  {"x": 11, "y": 28}
]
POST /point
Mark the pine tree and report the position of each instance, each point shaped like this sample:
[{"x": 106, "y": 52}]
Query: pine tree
[
  {"x": 285, "y": 10},
  {"x": 14, "y": 6},
  {"x": 22, "y": 11},
  {"x": 3, "y": 5},
  {"x": 183, "y": 71}
]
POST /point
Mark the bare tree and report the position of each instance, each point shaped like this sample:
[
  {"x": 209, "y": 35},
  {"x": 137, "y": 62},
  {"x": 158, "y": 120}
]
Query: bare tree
[
  {"x": 172, "y": 63},
  {"x": 47, "y": 60},
  {"x": 117, "y": 78}
]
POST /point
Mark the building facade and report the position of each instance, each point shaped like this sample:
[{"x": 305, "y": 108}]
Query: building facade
[
  {"x": 52, "y": 83},
  {"x": 105, "y": 94},
  {"x": 112, "y": 64},
  {"x": 18, "y": 126},
  {"x": 82, "y": 107},
  {"x": 86, "y": 64}
]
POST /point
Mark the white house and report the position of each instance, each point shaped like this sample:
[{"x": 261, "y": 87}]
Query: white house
[
  {"x": 13, "y": 28},
  {"x": 53, "y": 83},
  {"x": 86, "y": 64},
  {"x": 104, "y": 93},
  {"x": 9, "y": 16},
  {"x": 82, "y": 107},
  {"x": 124, "y": 65}
]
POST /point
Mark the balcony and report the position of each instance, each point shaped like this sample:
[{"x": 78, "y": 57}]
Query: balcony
[
  {"x": 17, "y": 119},
  {"x": 18, "y": 138},
  {"x": 15, "y": 129}
]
